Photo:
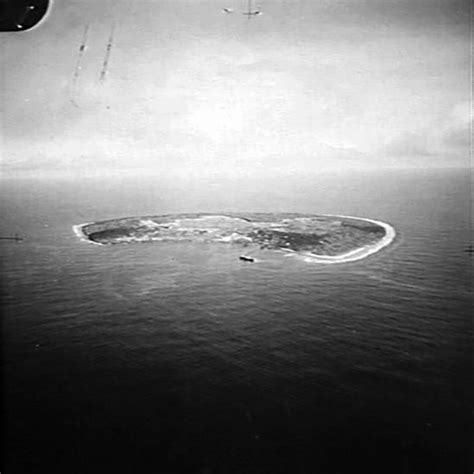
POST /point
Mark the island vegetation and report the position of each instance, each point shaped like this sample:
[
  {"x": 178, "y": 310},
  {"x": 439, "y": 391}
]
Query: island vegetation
[{"x": 328, "y": 237}]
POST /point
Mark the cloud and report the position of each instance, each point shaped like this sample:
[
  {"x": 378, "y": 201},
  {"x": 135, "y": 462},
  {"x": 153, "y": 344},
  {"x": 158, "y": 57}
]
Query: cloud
[
  {"x": 457, "y": 131},
  {"x": 458, "y": 138},
  {"x": 446, "y": 140},
  {"x": 409, "y": 144},
  {"x": 183, "y": 93}
]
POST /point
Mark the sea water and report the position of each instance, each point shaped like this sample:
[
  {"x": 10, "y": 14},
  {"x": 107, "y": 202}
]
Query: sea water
[{"x": 179, "y": 357}]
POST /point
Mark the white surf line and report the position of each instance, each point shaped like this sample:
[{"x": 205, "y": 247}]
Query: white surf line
[
  {"x": 80, "y": 233},
  {"x": 357, "y": 254},
  {"x": 351, "y": 256}
]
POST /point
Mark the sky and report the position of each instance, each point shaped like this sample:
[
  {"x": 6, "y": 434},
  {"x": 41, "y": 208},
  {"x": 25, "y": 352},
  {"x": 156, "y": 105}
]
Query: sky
[{"x": 304, "y": 87}]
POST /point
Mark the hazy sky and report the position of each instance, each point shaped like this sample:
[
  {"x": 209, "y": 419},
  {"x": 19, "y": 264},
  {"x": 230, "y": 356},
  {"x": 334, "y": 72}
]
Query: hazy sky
[{"x": 306, "y": 86}]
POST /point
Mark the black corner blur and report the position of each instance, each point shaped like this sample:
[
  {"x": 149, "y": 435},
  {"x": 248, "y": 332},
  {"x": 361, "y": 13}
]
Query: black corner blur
[{"x": 21, "y": 15}]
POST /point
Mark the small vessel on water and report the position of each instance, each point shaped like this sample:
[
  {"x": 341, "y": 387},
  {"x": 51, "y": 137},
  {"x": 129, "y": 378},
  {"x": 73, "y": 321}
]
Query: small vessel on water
[{"x": 245, "y": 258}]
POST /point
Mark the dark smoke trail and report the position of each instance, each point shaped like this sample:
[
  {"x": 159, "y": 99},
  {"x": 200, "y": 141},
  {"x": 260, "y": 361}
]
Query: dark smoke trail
[
  {"x": 80, "y": 53},
  {"x": 107, "y": 54}
]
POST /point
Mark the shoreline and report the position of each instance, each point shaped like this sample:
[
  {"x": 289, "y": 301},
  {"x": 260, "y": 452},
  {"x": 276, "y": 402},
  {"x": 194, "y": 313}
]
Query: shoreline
[
  {"x": 357, "y": 254},
  {"x": 82, "y": 236},
  {"x": 351, "y": 256}
]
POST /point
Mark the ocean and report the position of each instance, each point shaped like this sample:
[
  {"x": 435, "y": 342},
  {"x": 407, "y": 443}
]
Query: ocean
[{"x": 177, "y": 357}]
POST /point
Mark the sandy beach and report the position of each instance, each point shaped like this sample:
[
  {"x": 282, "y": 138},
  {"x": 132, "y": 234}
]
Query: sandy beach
[
  {"x": 79, "y": 232},
  {"x": 356, "y": 254},
  {"x": 351, "y": 256}
]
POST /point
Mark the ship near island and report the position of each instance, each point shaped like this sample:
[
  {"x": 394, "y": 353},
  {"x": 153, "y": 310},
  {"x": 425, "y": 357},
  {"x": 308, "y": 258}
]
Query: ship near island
[{"x": 316, "y": 238}]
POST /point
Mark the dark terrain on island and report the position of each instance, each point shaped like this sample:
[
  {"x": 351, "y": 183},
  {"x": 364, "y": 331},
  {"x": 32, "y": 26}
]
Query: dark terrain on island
[{"x": 316, "y": 234}]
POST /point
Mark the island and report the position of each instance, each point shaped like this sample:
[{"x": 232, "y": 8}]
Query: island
[{"x": 316, "y": 238}]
